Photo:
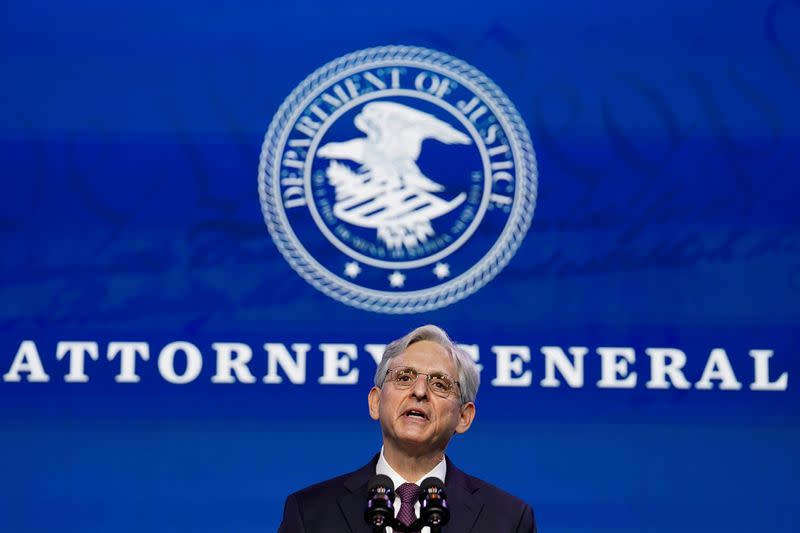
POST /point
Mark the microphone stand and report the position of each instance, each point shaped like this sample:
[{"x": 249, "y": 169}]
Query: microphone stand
[
  {"x": 380, "y": 525},
  {"x": 416, "y": 525}
]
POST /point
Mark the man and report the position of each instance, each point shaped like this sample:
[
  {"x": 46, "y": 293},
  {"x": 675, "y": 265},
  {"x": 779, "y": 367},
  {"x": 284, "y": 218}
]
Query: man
[{"x": 424, "y": 393}]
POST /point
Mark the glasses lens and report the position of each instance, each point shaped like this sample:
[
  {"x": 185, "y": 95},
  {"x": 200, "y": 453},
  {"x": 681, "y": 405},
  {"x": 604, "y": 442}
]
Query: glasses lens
[
  {"x": 404, "y": 377},
  {"x": 440, "y": 384}
]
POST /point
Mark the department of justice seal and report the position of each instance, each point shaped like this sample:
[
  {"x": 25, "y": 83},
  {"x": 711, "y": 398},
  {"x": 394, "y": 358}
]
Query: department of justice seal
[{"x": 397, "y": 179}]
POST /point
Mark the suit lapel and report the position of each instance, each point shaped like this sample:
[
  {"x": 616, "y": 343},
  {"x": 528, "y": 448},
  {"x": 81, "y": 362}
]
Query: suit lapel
[
  {"x": 353, "y": 500},
  {"x": 462, "y": 501},
  {"x": 465, "y": 506}
]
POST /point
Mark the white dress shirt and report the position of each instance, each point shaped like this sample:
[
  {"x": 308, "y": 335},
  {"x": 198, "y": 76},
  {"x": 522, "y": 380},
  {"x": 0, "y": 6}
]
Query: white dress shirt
[{"x": 383, "y": 467}]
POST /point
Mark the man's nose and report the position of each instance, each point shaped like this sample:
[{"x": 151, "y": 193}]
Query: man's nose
[{"x": 420, "y": 388}]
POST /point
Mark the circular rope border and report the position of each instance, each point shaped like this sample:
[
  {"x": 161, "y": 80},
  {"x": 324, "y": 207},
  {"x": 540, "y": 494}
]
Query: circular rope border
[{"x": 414, "y": 301}]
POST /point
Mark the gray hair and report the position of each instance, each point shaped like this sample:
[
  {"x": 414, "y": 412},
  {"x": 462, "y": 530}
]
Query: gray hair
[{"x": 468, "y": 377}]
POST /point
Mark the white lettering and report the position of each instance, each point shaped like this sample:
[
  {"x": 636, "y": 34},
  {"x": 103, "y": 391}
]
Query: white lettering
[
  {"x": 127, "y": 359},
  {"x": 299, "y": 143},
  {"x": 322, "y": 115},
  {"x": 352, "y": 90},
  {"x": 307, "y": 126},
  {"x": 332, "y": 100},
  {"x": 509, "y": 366},
  {"x": 614, "y": 365},
  {"x": 502, "y": 176},
  {"x": 292, "y": 159},
  {"x": 472, "y": 110},
  {"x": 491, "y": 135},
  {"x": 437, "y": 86},
  {"x": 26, "y": 360},
  {"x": 499, "y": 199},
  {"x": 374, "y": 80},
  {"x": 761, "y": 361},
  {"x": 501, "y": 165},
  {"x": 718, "y": 367},
  {"x": 335, "y": 369},
  {"x": 497, "y": 150},
  {"x": 289, "y": 362},
  {"x": 278, "y": 355},
  {"x": 166, "y": 362},
  {"x": 666, "y": 362},
  {"x": 76, "y": 351},
  {"x": 294, "y": 197},
  {"x": 554, "y": 357},
  {"x": 232, "y": 358}
]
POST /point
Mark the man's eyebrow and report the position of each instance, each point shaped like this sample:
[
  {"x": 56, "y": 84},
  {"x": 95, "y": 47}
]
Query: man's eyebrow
[{"x": 437, "y": 372}]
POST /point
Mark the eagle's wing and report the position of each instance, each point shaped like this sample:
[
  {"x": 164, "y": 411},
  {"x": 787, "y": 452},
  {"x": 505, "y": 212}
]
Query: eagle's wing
[
  {"x": 395, "y": 120},
  {"x": 354, "y": 150},
  {"x": 413, "y": 177},
  {"x": 437, "y": 129}
]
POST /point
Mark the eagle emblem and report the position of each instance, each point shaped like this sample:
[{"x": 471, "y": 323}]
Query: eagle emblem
[
  {"x": 388, "y": 191},
  {"x": 397, "y": 179}
]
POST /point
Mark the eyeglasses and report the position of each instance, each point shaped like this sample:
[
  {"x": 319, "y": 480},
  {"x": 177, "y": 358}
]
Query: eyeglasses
[{"x": 439, "y": 384}]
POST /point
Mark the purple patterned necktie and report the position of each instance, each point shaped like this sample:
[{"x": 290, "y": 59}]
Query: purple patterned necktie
[{"x": 408, "y": 493}]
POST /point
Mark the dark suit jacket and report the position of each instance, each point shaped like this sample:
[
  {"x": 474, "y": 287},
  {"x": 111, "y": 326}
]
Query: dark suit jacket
[{"x": 337, "y": 506}]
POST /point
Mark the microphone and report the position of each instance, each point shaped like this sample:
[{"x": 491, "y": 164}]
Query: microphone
[
  {"x": 433, "y": 510},
  {"x": 380, "y": 512}
]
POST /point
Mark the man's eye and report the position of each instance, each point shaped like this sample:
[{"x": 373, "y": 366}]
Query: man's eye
[
  {"x": 405, "y": 376},
  {"x": 440, "y": 384}
]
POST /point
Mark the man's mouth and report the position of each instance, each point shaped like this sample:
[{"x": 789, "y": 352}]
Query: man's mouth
[{"x": 416, "y": 414}]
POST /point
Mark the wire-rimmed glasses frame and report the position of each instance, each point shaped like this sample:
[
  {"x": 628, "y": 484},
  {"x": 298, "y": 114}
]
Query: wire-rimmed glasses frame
[{"x": 438, "y": 383}]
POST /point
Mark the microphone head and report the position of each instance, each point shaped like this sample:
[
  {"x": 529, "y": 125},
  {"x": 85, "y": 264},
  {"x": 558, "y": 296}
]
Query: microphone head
[
  {"x": 380, "y": 481},
  {"x": 431, "y": 482},
  {"x": 379, "y": 511},
  {"x": 433, "y": 503}
]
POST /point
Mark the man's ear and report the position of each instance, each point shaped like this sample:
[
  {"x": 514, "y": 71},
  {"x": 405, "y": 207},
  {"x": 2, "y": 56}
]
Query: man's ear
[
  {"x": 465, "y": 417},
  {"x": 374, "y": 400}
]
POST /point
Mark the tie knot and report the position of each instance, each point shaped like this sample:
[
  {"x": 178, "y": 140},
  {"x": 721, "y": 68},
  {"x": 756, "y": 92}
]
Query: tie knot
[{"x": 408, "y": 492}]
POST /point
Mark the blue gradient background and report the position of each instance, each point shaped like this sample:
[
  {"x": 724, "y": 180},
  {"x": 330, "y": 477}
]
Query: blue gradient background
[{"x": 668, "y": 142}]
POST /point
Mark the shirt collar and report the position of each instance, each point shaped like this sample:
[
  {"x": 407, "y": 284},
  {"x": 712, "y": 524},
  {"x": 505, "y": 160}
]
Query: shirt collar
[{"x": 383, "y": 467}]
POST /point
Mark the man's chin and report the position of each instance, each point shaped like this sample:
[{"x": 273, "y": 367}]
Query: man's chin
[
  {"x": 415, "y": 442},
  {"x": 414, "y": 435}
]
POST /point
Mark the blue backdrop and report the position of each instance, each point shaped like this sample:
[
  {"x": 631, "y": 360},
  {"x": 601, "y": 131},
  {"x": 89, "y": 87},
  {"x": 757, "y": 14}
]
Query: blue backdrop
[{"x": 667, "y": 137}]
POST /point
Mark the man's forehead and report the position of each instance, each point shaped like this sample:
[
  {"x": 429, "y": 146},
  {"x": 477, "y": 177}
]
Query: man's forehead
[{"x": 427, "y": 356}]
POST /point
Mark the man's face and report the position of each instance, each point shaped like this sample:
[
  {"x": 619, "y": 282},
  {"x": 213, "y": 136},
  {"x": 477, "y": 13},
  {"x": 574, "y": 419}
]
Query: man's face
[{"x": 414, "y": 419}]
